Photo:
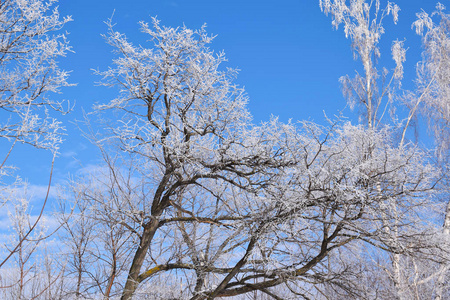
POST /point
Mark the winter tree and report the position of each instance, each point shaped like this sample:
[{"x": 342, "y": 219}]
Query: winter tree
[
  {"x": 100, "y": 236},
  {"x": 433, "y": 81},
  {"x": 373, "y": 91},
  {"x": 362, "y": 21},
  {"x": 433, "y": 94},
  {"x": 206, "y": 204},
  {"x": 29, "y": 74}
]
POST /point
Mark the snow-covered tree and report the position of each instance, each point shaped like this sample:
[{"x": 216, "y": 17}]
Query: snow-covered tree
[
  {"x": 433, "y": 73},
  {"x": 215, "y": 206},
  {"x": 30, "y": 46},
  {"x": 433, "y": 96},
  {"x": 362, "y": 21},
  {"x": 373, "y": 91}
]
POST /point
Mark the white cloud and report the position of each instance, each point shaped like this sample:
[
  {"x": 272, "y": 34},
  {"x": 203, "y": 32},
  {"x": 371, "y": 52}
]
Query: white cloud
[{"x": 70, "y": 153}]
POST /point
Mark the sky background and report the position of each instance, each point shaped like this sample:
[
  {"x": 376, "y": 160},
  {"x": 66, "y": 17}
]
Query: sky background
[{"x": 289, "y": 55}]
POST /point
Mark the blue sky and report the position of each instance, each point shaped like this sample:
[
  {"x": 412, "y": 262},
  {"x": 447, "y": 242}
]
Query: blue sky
[{"x": 289, "y": 55}]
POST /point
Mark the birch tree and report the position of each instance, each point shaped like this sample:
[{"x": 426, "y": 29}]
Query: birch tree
[
  {"x": 373, "y": 91},
  {"x": 433, "y": 94},
  {"x": 363, "y": 24},
  {"x": 433, "y": 83}
]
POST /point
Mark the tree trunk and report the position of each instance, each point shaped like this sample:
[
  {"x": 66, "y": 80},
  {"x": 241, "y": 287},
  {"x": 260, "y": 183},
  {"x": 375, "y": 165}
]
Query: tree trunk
[
  {"x": 441, "y": 283},
  {"x": 138, "y": 260}
]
